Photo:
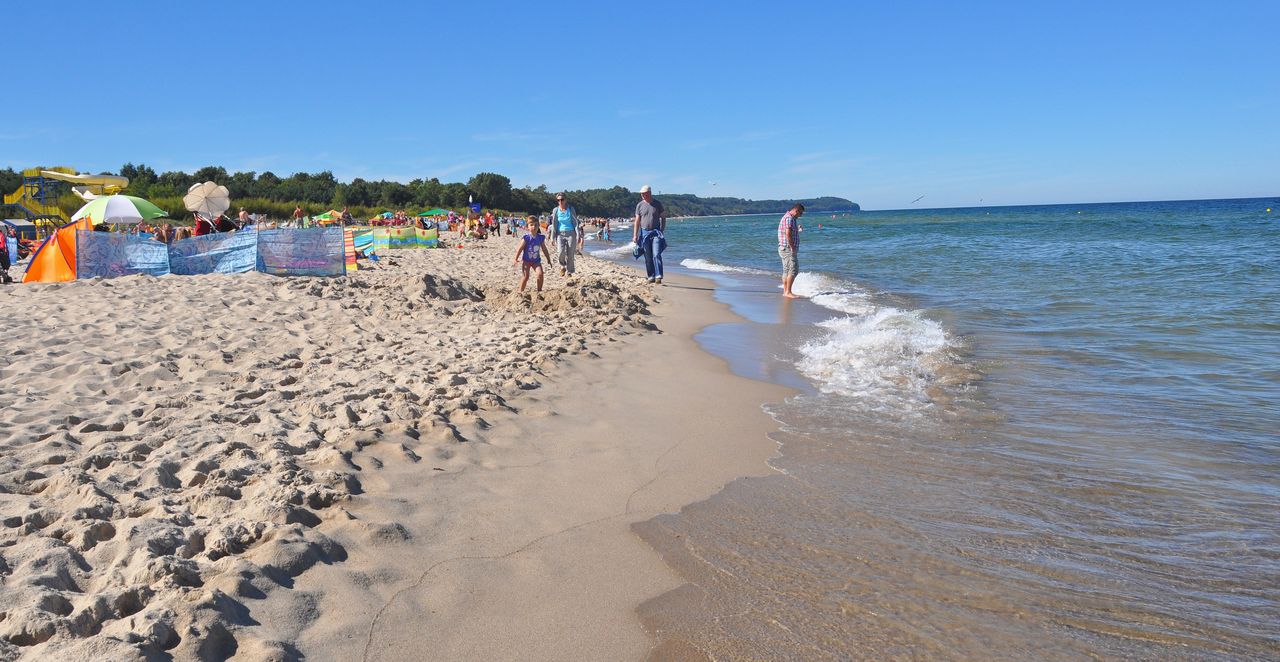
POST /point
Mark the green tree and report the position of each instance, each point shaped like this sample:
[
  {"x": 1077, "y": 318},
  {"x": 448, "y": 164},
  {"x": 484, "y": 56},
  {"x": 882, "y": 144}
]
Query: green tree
[
  {"x": 320, "y": 188},
  {"x": 163, "y": 190},
  {"x": 395, "y": 195},
  {"x": 491, "y": 190},
  {"x": 430, "y": 193},
  {"x": 171, "y": 183},
  {"x": 268, "y": 192},
  {"x": 356, "y": 193},
  {"x": 141, "y": 178},
  {"x": 266, "y": 186},
  {"x": 241, "y": 184},
  {"x": 455, "y": 195},
  {"x": 216, "y": 174},
  {"x": 10, "y": 180}
]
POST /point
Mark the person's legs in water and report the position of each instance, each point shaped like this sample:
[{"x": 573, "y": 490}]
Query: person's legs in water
[{"x": 790, "y": 269}]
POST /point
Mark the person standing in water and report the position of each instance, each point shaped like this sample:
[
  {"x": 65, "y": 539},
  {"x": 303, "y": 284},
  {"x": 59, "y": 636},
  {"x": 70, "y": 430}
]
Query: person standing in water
[{"x": 789, "y": 248}]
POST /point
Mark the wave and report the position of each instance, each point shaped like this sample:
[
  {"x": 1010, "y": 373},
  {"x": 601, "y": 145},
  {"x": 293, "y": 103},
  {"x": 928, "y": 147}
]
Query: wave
[
  {"x": 707, "y": 265},
  {"x": 615, "y": 252},
  {"x": 833, "y": 293},
  {"x": 882, "y": 355}
]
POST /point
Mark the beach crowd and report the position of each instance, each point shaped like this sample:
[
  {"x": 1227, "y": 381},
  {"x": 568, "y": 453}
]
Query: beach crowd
[{"x": 562, "y": 228}]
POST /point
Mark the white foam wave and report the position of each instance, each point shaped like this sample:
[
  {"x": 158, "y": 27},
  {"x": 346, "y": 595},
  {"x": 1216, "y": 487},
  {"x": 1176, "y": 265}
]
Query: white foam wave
[
  {"x": 882, "y": 355},
  {"x": 707, "y": 265},
  {"x": 616, "y": 251},
  {"x": 888, "y": 356},
  {"x": 833, "y": 293}
]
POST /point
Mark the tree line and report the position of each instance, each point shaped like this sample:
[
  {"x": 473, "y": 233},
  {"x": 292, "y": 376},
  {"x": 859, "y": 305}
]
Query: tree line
[{"x": 317, "y": 192}]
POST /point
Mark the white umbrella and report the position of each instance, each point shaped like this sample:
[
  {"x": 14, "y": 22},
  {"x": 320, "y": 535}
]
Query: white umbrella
[{"x": 207, "y": 199}]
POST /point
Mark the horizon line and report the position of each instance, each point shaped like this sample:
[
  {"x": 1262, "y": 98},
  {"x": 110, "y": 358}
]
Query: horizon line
[
  {"x": 1065, "y": 204},
  {"x": 1038, "y": 204}
]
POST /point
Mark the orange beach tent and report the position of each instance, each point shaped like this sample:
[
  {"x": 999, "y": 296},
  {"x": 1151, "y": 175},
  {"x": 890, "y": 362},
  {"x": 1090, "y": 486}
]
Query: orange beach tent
[{"x": 55, "y": 260}]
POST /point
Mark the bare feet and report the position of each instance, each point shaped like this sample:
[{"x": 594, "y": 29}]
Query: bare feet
[{"x": 791, "y": 295}]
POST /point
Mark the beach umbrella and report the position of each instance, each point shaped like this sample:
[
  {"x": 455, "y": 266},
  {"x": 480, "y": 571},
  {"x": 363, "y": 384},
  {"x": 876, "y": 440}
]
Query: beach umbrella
[
  {"x": 207, "y": 199},
  {"x": 435, "y": 212},
  {"x": 119, "y": 209},
  {"x": 386, "y": 214}
]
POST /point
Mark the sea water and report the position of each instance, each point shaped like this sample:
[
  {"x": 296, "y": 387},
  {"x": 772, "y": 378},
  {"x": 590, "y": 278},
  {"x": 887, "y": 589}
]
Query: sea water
[{"x": 1047, "y": 432}]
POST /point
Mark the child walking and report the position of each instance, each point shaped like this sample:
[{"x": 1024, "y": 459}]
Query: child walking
[{"x": 528, "y": 253}]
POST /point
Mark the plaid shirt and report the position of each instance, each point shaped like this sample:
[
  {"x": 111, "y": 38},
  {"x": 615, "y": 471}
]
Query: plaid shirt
[{"x": 788, "y": 233}]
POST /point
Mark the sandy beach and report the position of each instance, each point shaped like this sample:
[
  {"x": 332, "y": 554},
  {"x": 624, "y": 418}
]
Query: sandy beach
[{"x": 414, "y": 462}]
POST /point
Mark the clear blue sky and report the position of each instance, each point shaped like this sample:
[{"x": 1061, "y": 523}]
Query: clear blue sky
[{"x": 998, "y": 102}]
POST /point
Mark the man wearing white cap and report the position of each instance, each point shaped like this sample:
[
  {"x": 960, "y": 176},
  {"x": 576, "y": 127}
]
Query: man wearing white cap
[{"x": 647, "y": 232}]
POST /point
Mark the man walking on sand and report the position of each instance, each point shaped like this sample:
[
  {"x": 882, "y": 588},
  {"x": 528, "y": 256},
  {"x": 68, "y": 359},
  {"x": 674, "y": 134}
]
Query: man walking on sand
[
  {"x": 647, "y": 231},
  {"x": 789, "y": 248},
  {"x": 565, "y": 233}
]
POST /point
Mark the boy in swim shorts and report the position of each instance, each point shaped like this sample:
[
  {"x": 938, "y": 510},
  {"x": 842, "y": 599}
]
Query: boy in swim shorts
[{"x": 528, "y": 254}]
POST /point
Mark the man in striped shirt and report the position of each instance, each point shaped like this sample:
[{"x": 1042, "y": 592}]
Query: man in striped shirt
[{"x": 789, "y": 248}]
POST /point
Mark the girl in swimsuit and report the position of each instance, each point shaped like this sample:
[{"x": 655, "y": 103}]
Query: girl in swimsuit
[{"x": 528, "y": 254}]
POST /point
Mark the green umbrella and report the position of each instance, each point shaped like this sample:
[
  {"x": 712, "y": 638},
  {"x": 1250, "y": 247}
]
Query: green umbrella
[
  {"x": 325, "y": 217},
  {"x": 434, "y": 212},
  {"x": 119, "y": 209}
]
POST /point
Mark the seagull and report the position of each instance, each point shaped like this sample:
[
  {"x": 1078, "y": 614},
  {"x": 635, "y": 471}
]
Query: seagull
[{"x": 918, "y": 199}]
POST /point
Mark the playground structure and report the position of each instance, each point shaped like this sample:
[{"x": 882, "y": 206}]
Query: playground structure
[{"x": 37, "y": 198}]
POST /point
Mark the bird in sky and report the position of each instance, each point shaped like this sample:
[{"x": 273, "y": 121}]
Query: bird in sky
[{"x": 918, "y": 199}]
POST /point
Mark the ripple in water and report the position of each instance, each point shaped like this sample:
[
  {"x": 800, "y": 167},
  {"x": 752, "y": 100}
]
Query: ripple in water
[{"x": 1057, "y": 440}]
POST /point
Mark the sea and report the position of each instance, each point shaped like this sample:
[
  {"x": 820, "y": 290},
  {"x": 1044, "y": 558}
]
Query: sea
[{"x": 1016, "y": 433}]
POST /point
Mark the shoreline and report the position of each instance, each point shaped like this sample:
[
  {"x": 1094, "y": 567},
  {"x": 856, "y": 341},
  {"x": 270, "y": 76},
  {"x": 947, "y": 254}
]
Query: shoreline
[
  {"x": 972, "y": 475},
  {"x": 547, "y": 549},
  {"x": 310, "y": 477}
]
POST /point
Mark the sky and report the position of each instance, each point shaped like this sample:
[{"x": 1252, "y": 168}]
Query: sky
[{"x": 965, "y": 103}]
